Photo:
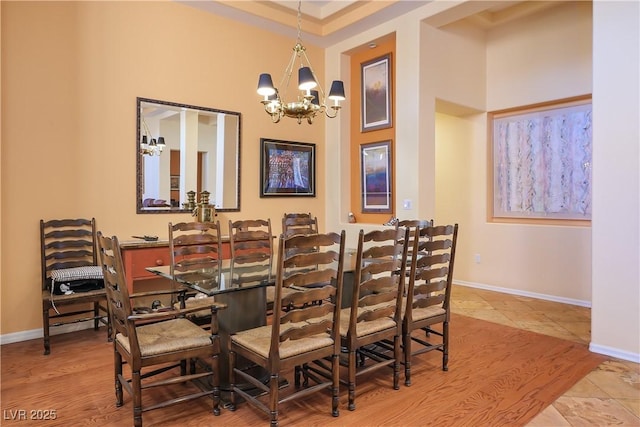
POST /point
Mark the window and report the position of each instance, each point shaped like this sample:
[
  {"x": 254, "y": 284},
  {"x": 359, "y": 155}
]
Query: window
[{"x": 542, "y": 161}]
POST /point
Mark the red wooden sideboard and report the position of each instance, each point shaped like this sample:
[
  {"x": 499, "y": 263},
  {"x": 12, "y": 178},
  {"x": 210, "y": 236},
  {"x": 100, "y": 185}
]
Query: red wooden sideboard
[{"x": 137, "y": 255}]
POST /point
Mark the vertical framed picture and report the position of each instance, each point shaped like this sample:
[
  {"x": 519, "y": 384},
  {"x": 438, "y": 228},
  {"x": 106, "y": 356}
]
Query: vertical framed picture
[
  {"x": 376, "y": 94},
  {"x": 175, "y": 182},
  {"x": 375, "y": 160},
  {"x": 287, "y": 168}
]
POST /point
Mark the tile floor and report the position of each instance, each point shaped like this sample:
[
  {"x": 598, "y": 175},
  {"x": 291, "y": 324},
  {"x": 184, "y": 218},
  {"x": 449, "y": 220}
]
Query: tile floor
[{"x": 608, "y": 396}]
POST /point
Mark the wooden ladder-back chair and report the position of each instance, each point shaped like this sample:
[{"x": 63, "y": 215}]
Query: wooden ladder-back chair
[
  {"x": 251, "y": 244},
  {"x": 194, "y": 247},
  {"x": 412, "y": 225},
  {"x": 157, "y": 342},
  {"x": 429, "y": 293},
  {"x": 299, "y": 223},
  {"x": 69, "y": 263},
  {"x": 371, "y": 328},
  {"x": 300, "y": 335},
  {"x": 251, "y": 240}
]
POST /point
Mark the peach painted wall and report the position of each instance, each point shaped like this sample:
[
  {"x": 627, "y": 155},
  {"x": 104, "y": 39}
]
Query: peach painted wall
[
  {"x": 473, "y": 71},
  {"x": 545, "y": 57},
  {"x": 71, "y": 72},
  {"x": 562, "y": 52}
]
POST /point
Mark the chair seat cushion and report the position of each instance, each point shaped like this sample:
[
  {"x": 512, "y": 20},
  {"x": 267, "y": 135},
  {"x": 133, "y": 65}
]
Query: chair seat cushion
[
  {"x": 426, "y": 312},
  {"x": 171, "y": 335},
  {"x": 423, "y": 313},
  {"x": 258, "y": 340},
  {"x": 364, "y": 328},
  {"x": 77, "y": 273}
]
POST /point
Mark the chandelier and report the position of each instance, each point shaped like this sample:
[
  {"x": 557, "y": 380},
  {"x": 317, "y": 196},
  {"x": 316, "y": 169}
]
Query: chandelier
[
  {"x": 148, "y": 145},
  {"x": 311, "y": 99}
]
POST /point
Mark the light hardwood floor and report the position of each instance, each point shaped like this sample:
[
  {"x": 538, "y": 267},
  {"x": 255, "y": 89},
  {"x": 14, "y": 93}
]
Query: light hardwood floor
[{"x": 608, "y": 396}]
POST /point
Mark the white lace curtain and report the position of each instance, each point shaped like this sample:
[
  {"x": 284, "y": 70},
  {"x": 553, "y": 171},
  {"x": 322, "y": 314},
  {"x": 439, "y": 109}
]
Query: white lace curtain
[{"x": 542, "y": 163}]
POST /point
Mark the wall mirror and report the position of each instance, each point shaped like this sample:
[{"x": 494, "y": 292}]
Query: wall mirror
[{"x": 182, "y": 148}]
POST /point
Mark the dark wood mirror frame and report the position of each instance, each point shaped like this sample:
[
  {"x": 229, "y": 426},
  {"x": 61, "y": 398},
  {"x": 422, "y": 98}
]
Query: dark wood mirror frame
[{"x": 229, "y": 155}]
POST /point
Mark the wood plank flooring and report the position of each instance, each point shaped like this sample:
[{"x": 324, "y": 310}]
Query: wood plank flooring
[{"x": 497, "y": 375}]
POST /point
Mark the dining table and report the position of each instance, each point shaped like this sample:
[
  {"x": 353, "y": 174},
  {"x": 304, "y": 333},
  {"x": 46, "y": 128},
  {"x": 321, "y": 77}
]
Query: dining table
[{"x": 242, "y": 287}]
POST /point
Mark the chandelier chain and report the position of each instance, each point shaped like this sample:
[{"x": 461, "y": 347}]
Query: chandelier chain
[{"x": 299, "y": 21}]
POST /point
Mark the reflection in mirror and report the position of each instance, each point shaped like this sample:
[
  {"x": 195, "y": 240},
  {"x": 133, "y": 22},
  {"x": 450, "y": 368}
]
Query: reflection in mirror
[{"x": 183, "y": 149}]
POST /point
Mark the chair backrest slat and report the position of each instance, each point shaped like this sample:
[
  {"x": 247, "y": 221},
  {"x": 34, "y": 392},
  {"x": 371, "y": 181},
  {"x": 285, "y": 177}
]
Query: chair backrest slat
[
  {"x": 117, "y": 292},
  {"x": 66, "y": 243},
  {"x": 195, "y": 246},
  {"x": 379, "y": 279},
  {"x": 251, "y": 244},
  {"x": 431, "y": 275},
  {"x": 314, "y": 312},
  {"x": 299, "y": 224}
]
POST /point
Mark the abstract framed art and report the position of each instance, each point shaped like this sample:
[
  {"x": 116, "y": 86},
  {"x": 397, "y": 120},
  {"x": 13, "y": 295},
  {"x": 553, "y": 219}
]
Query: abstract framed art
[
  {"x": 376, "y": 93},
  {"x": 375, "y": 159},
  {"x": 287, "y": 168}
]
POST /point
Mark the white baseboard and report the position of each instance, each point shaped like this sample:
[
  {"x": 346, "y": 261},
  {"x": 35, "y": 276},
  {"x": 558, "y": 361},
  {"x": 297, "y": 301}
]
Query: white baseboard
[
  {"x": 594, "y": 348},
  {"x": 519, "y": 292},
  {"x": 39, "y": 333},
  {"x": 614, "y": 352}
]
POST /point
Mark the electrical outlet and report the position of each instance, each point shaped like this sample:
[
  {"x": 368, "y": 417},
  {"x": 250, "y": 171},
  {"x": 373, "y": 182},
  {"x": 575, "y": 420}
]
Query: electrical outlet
[{"x": 477, "y": 258}]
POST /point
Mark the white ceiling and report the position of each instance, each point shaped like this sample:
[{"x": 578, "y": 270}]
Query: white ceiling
[
  {"x": 323, "y": 22},
  {"x": 318, "y": 9},
  {"x": 326, "y": 22}
]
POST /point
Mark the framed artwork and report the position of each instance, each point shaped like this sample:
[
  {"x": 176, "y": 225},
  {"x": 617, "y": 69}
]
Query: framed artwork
[
  {"x": 287, "y": 168},
  {"x": 375, "y": 161},
  {"x": 175, "y": 182},
  {"x": 376, "y": 93}
]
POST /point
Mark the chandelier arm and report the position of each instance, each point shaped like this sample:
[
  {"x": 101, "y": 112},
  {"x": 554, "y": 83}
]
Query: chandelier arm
[
  {"x": 146, "y": 128},
  {"x": 335, "y": 112}
]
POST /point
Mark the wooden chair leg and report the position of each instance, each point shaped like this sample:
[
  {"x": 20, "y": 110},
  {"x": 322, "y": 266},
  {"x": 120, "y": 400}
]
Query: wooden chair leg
[
  {"x": 273, "y": 402},
  {"x": 397, "y": 354},
  {"x": 445, "y": 346},
  {"x": 232, "y": 380},
  {"x": 96, "y": 315},
  {"x": 109, "y": 327},
  {"x": 215, "y": 368},
  {"x": 406, "y": 341},
  {"x": 137, "y": 398},
  {"x": 117, "y": 371},
  {"x": 45, "y": 328},
  {"x": 352, "y": 379},
  {"x": 296, "y": 376},
  {"x": 335, "y": 389}
]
